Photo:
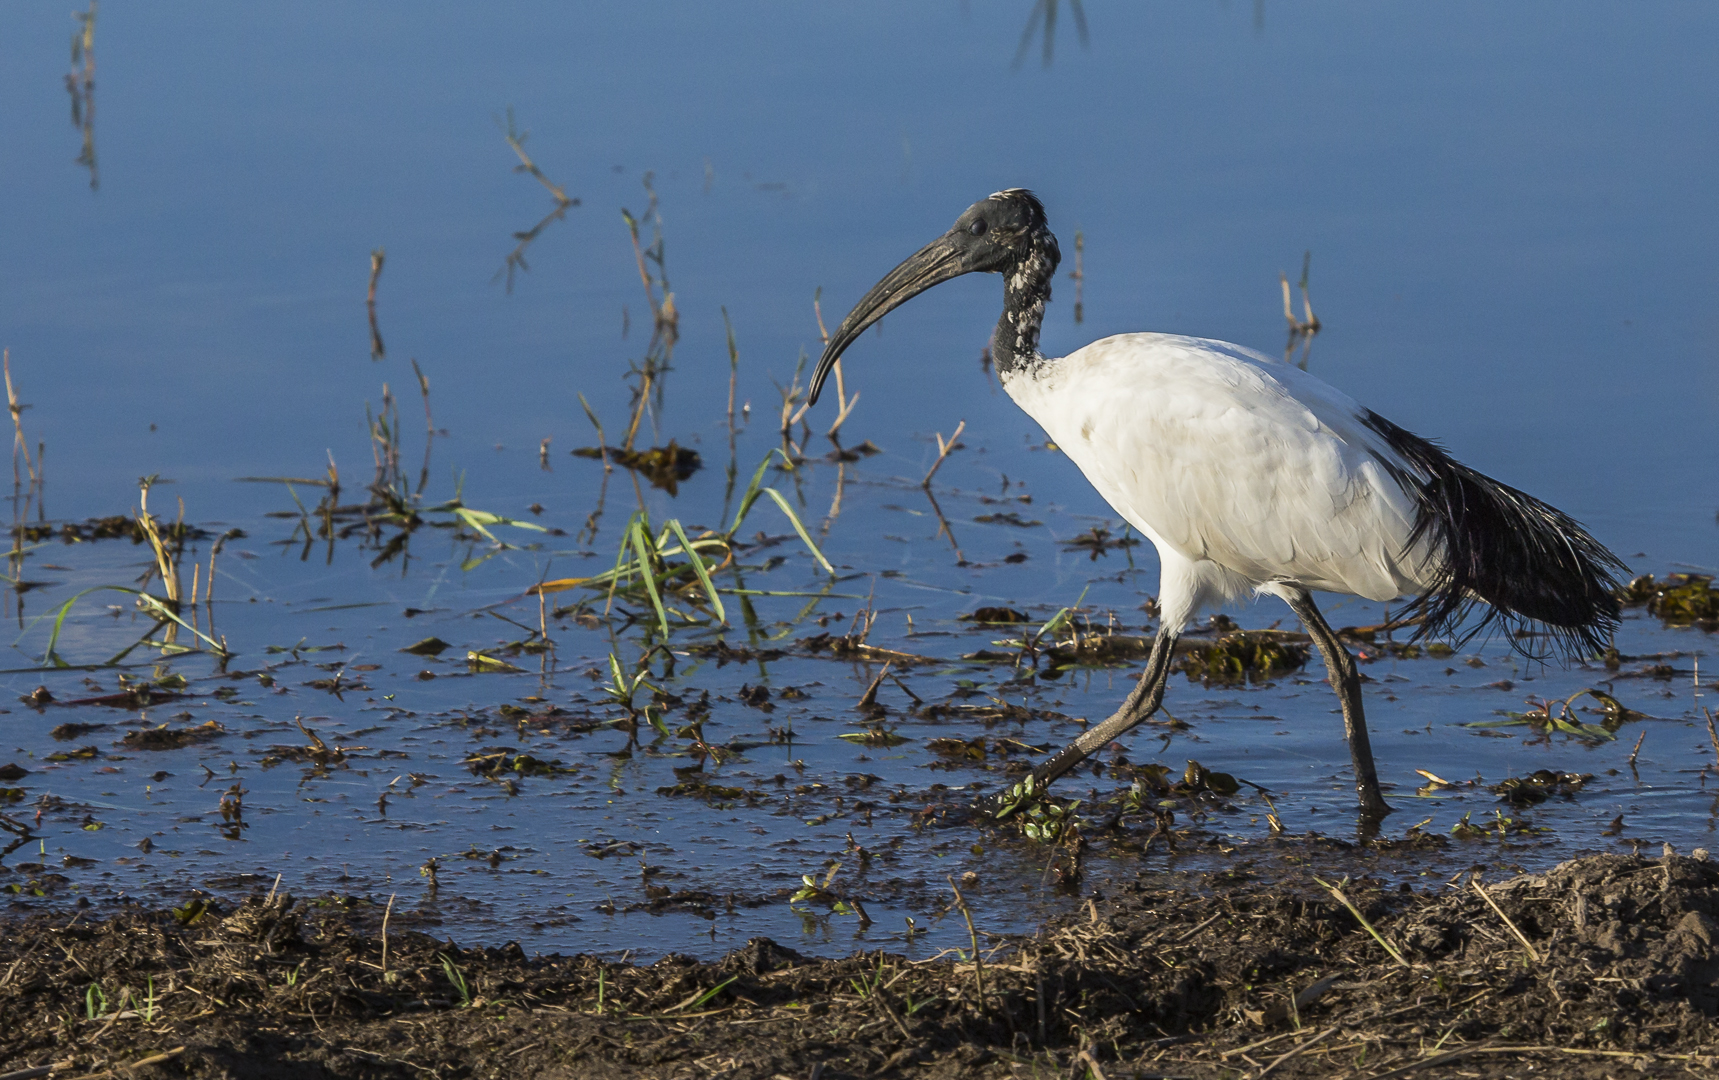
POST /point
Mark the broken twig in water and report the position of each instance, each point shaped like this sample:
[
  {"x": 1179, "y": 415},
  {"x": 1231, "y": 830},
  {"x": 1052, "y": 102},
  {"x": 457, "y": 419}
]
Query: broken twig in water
[
  {"x": 377, "y": 258},
  {"x": 944, "y": 449},
  {"x": 19, "y": 444},
  {"x": 868, "y": 700},
  {"x": 844, "y": 404}
]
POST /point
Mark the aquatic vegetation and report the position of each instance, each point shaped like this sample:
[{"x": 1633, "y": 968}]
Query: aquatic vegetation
[
  {"x": 1678, "y": 599},
  {"x": 1244, "y": 655},
  {"x": 1539, "y": 786}
]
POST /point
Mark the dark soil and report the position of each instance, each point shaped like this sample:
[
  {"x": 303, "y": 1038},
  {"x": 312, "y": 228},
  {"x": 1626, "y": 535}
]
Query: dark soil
[{"x": 1198, "y": 981}]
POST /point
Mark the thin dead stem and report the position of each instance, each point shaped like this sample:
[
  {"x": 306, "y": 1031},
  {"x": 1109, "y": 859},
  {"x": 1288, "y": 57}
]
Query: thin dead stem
[
  {"x": 20, "y": 445},
  {"x": 973, "y": 937},
  {"x": 943, "y": 450},
  {"x": 377, "y": 258}
]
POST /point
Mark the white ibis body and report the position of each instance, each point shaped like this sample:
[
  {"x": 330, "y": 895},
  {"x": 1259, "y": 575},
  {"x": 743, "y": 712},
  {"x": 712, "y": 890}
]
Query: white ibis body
[{"x": 1253, "y": 477}]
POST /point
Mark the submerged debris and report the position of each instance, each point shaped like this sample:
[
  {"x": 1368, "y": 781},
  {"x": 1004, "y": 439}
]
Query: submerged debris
[
  {"x": 164, "y": 738},
  {"x": 1680, "y": 600},
  {"x": 1540, "y": 785},
  {"x": 1250, "y": 654},
  {"x": 664, "y": 466},
  {"x": 996, "y": 615},
  {"x": 1098, "y": 541},
  {"x": 113, "y": 527}
]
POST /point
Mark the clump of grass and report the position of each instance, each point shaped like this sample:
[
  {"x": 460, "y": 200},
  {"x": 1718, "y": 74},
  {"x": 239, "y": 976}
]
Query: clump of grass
[
  {"x": 167, "y": 546},
  {"x": 457, "y": 979},
  {"x": 646, "y": 568}
]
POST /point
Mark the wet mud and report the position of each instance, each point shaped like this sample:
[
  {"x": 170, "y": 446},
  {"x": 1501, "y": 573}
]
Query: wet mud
[{"x": 1600, "y": 967}]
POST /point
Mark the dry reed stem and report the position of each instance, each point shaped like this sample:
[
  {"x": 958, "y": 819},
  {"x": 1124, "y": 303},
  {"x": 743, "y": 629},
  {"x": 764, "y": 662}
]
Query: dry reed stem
[
  {"x": 517, "y": 142},
  {"x": 377, "y": 258},
  {"x": 645, "y": 381},
  {"x": 126, "y": 1070},
  {"x": 1298, "y": 1050},
  {"x": 164, "y": 564},
  {"x": 386, "y": 912},
  {"x": 1092, "y": 1063},
  {"x": 869, "y": 698},
  {"x": 602, "y": 440},
  {"x": 844, "y": 404},
  {"x": 943, "y": 450},
  {"x": 1438, "y": 1059},
  {"x": 19, "y": 443},
  {"x": 973, "y": 937},
  {"x": 943, "y": 526}
]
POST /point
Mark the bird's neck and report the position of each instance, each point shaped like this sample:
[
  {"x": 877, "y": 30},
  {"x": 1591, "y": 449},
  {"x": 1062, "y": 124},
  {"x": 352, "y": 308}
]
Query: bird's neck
[{"x": 1026, "y": 290}]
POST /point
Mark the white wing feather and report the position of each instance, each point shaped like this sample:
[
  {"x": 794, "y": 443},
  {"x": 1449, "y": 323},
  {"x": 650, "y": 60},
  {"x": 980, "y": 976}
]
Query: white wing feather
[{"x": 1227, "y": 458}]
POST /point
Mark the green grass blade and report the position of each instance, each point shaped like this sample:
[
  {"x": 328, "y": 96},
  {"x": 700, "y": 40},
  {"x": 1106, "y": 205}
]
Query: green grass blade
[
  {"x": 801, "y": 529},
  {"x": 756, "y": 488},
  {"x": 641, "y": 543},
  {"x": 699, "y": 569},
  {"x": 751, "y": 496},
  {"x": 1058, "y": 620},
  {"x": 51, "y": 658},
  {"x": 704, "y": 999},
  {"x": 160, "y": 611},
  {"x": 477, "y": 519},
  {"x": 1338, "y": 895}
]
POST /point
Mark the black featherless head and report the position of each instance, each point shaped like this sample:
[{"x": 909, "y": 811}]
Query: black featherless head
[{"x": 1004, "y": 234}]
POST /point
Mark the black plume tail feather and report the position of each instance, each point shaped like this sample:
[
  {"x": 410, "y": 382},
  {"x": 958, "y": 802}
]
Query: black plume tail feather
[{"x": 1549, "y": 585}]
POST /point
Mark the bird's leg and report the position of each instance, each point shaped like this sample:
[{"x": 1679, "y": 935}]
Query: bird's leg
[
  {"x": 1346, "y": 680},
  {"x": 1141, "y": 703}
]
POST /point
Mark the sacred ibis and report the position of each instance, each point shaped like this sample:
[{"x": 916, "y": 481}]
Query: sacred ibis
[{"x": 1253, "y": 477}]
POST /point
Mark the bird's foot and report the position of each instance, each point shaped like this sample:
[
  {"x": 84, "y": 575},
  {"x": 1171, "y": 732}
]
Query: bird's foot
[{"x": 1373, "y": 807}]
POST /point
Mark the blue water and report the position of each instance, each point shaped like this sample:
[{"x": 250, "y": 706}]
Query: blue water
[{"x": 1512, "y": 250}]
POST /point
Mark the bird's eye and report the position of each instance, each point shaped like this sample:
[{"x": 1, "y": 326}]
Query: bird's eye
[{"x": 977, "y": 228}]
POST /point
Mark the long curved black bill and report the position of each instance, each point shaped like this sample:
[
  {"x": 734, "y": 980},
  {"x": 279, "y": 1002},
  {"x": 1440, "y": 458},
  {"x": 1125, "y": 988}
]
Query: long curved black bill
[{"x": 932, "y": 264}]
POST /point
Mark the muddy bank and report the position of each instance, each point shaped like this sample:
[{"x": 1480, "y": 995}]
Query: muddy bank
[{"x": 1602, "y": 966}]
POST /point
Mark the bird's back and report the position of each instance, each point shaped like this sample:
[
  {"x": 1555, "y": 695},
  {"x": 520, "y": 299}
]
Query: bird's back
[{"x": 1218, "y": 453}]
